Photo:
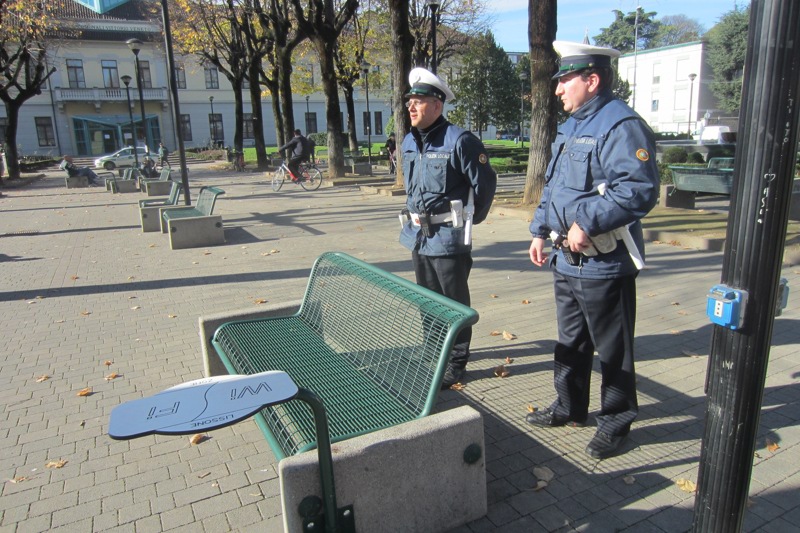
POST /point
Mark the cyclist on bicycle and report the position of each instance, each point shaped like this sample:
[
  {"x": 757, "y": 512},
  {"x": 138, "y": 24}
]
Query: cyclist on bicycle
[{"x": 300, "y": 153}]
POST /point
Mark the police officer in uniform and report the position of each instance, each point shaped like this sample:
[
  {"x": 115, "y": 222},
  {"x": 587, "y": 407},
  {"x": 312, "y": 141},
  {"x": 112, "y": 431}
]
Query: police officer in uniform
[
  {"x": 450, "y": 186},
  {"x": 602, "y": 179}
]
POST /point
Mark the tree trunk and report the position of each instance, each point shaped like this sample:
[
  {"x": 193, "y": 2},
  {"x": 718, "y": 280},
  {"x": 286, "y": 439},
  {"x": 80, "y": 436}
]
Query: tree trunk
[
  {"x": 541, "y": 34},
  {"x": 352, "y": 134},
  {"x": 254, "y": 73},
  {"x": 332, "y": 113},
  {"x": 12, "y": 154},
  {"x": 402, "y": 44},
  {"x": 285, "y": 91}
]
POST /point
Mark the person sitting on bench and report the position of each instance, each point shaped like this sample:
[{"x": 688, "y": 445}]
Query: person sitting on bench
[{"x": 73, "y": 170}]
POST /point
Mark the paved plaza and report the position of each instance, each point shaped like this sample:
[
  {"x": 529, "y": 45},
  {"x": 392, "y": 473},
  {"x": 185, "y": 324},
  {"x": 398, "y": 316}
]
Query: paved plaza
[{"x": 84, "y": 295}]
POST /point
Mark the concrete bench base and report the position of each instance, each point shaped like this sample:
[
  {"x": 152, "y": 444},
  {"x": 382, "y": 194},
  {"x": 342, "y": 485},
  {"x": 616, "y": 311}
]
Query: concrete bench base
[
  {"x": 195, "y": 232},
  {"x": 123, "y": 186},
  {"x": 361, "y": 169},
  {"x": 149, "y": 218},
  {"x": 672, "y": 197},
  {"x": 76, "y": 182},
  {"x": 157, "y": 188},
  {"x": 412, "y": 477}
]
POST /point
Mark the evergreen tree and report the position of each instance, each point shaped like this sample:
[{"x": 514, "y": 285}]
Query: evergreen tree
[
  {"x": 727, "y": 47},
  {"x": 622, "y": 33}
]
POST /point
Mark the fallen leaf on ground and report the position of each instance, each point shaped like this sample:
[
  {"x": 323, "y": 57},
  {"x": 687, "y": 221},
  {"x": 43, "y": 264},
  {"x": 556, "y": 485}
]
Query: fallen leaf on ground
[
  {"x": 131, "y": 278},
  {"x": 260, "y": 301},
  {"x": 686, "y": 485},
  {"x": 509, "y": 360},
  {"x": 206, "y": 253},
  {"x": 197, "y": 439},
  {"x": 73, "y": 278},
  {"x": 85, "y": 392},
  {"x": 201, "y": 476},
  {"x": 136, "y": 307},
  {"x": 509, "y": 336},
  {"x": 86, "y": 313},
  {"x": 18, "y": 479},
  {"x": 501, "y": 372},
  {"x": 492, "y": 296},
  {"x": 108, "y": 362},
  {"x": 457, "y": 386},
  {"x": 56, "y": 464},
  {"x": 152, "y": 246},
  {"x": 629, "y": 480},
  {"x": 675, "y": 303},
  {"x": 532, "y": 409},
  {"x": 525, "y": 302},
  {"x": 274, "y": 251},
  {"x": 113, "y": 375},
  {"x": 496, "y": 333},
  {"x": 60, "y": 321},
  {"x": 543, "y": 473},
  {"x": 772, "y": 446},
  {"x": 172, "y": 316},
  {"x": 540, "y": 485},
  {"x": 43, "y": 377}
]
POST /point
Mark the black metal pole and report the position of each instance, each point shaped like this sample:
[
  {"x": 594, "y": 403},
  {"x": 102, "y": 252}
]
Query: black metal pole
[
  {"x": 176, "y": 107},
  {"x": 127, "y": 81},
  {"x": 369, "y": 121},
  {"x": 147, "y": 139},
  {"x": 760, "y": 201}
]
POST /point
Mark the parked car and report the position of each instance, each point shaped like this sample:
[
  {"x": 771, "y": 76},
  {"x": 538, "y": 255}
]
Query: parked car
[
  {"x": 714, "y": 134},
  {"x": 120, "y": 158}
]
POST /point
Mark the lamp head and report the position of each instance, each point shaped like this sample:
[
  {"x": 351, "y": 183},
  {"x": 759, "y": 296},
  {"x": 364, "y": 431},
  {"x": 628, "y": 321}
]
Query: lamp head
[
  {"x": 433, "y": 5},
  {"x": 126, "y": 80},
  {"x": 692, "y": 76},
  {"x": 211, "y": 99},
  {"x": 135, "y": 45}
]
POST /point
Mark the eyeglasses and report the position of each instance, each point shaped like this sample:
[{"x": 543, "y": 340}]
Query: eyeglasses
[{"x": 416, "y": 103}]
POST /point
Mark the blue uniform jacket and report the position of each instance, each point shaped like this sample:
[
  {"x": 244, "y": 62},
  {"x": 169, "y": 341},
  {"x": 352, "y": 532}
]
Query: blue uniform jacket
[
  {"x": 605, "y": 141},
  {"x": 440, "y": 165}
]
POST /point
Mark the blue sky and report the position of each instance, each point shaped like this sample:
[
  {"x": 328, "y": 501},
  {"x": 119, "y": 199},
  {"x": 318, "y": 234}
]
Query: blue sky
[{"x": 575, "y": 16}]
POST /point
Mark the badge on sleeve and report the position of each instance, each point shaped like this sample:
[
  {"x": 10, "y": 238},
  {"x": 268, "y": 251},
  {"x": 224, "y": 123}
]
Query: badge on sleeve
[
  {"x": 642, "y": 155},
  {"x": 483, "y": 159}
]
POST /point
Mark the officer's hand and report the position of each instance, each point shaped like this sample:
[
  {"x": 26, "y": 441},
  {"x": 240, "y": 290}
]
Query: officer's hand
[
  {"x": 578, "y": 239},
  {"x": 536, "y": 252}
]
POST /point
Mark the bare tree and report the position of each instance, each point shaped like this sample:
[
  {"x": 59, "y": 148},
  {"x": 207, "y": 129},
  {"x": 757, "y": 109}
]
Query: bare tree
[
  {"x": 323, "y": 22},
  {"x": 541, "y": 34},
  {"x": 26, "y": 31},
  {"x": 458, "y": 21}
]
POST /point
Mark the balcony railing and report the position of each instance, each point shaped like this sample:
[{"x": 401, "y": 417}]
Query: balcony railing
[{"x": 110, "y": 94}]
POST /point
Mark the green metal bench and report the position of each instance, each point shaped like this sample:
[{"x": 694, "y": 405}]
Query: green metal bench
[
  {"x": 158, "y": 186},
  {"x": 194, "y": 226},
  {"x": 149, "y": 209},
  {"x": 373, "y": 346},
  {"x": 701, "y": 179}
]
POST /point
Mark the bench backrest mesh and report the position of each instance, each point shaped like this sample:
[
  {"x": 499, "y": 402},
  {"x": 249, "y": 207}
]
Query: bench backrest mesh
[
  {"x": 174, "y": 193},
  {"x": 207, "y": 198},
  {"x": 386, "y": 346}
]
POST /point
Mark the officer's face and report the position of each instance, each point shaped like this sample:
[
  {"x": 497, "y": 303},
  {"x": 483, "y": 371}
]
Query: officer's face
[
  {"x": 574, "y": 90},
  {"x": 424, "y": 111}
]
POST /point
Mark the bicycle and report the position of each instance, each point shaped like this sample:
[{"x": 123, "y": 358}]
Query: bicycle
[{"x": 310, "y": 177}]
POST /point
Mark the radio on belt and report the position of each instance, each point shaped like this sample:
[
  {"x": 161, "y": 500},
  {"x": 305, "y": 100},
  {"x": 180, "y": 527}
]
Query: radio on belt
[{"x": 725, "y": 306}]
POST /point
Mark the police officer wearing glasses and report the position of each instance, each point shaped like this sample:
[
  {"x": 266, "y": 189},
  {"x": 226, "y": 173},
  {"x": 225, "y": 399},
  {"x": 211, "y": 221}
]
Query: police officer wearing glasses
[
  {"x": 450, "y": 187},
  {"x": 602, "y": 179}
]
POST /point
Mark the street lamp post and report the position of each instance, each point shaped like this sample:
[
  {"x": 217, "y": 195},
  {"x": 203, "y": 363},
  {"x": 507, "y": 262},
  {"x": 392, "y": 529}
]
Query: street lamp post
[
  {"x": 212, "y": 123},
  {"x": 365, "y": 69},
  {"x": 308, "y": 114},
  {"x": 692, "y": 76},
  {"x": 433, "y": 5},
  {"x": 127, "y": 81},
  {"x": 523, "y": 77},
  {"x": 136, "y": 46}
]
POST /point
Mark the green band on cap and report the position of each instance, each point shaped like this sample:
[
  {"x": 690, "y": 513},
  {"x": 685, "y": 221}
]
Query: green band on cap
[{"x": 575, "y": 66}]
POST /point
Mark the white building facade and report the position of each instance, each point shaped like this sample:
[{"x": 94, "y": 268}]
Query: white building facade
[
  {"x": 670, "y": 88},
  {"x": 83, "y": 110}
]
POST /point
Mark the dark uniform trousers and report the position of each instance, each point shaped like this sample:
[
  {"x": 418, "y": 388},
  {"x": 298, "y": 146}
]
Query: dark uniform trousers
[
  {"x": 448, "y": 275},
  {"x": 596, "y": 314}
]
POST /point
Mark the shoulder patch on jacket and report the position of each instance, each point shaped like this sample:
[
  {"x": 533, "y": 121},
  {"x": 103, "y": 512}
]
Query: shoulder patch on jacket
[
  {"x": 483, "y": 159},
  {"x": 642, "y": 155}
]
